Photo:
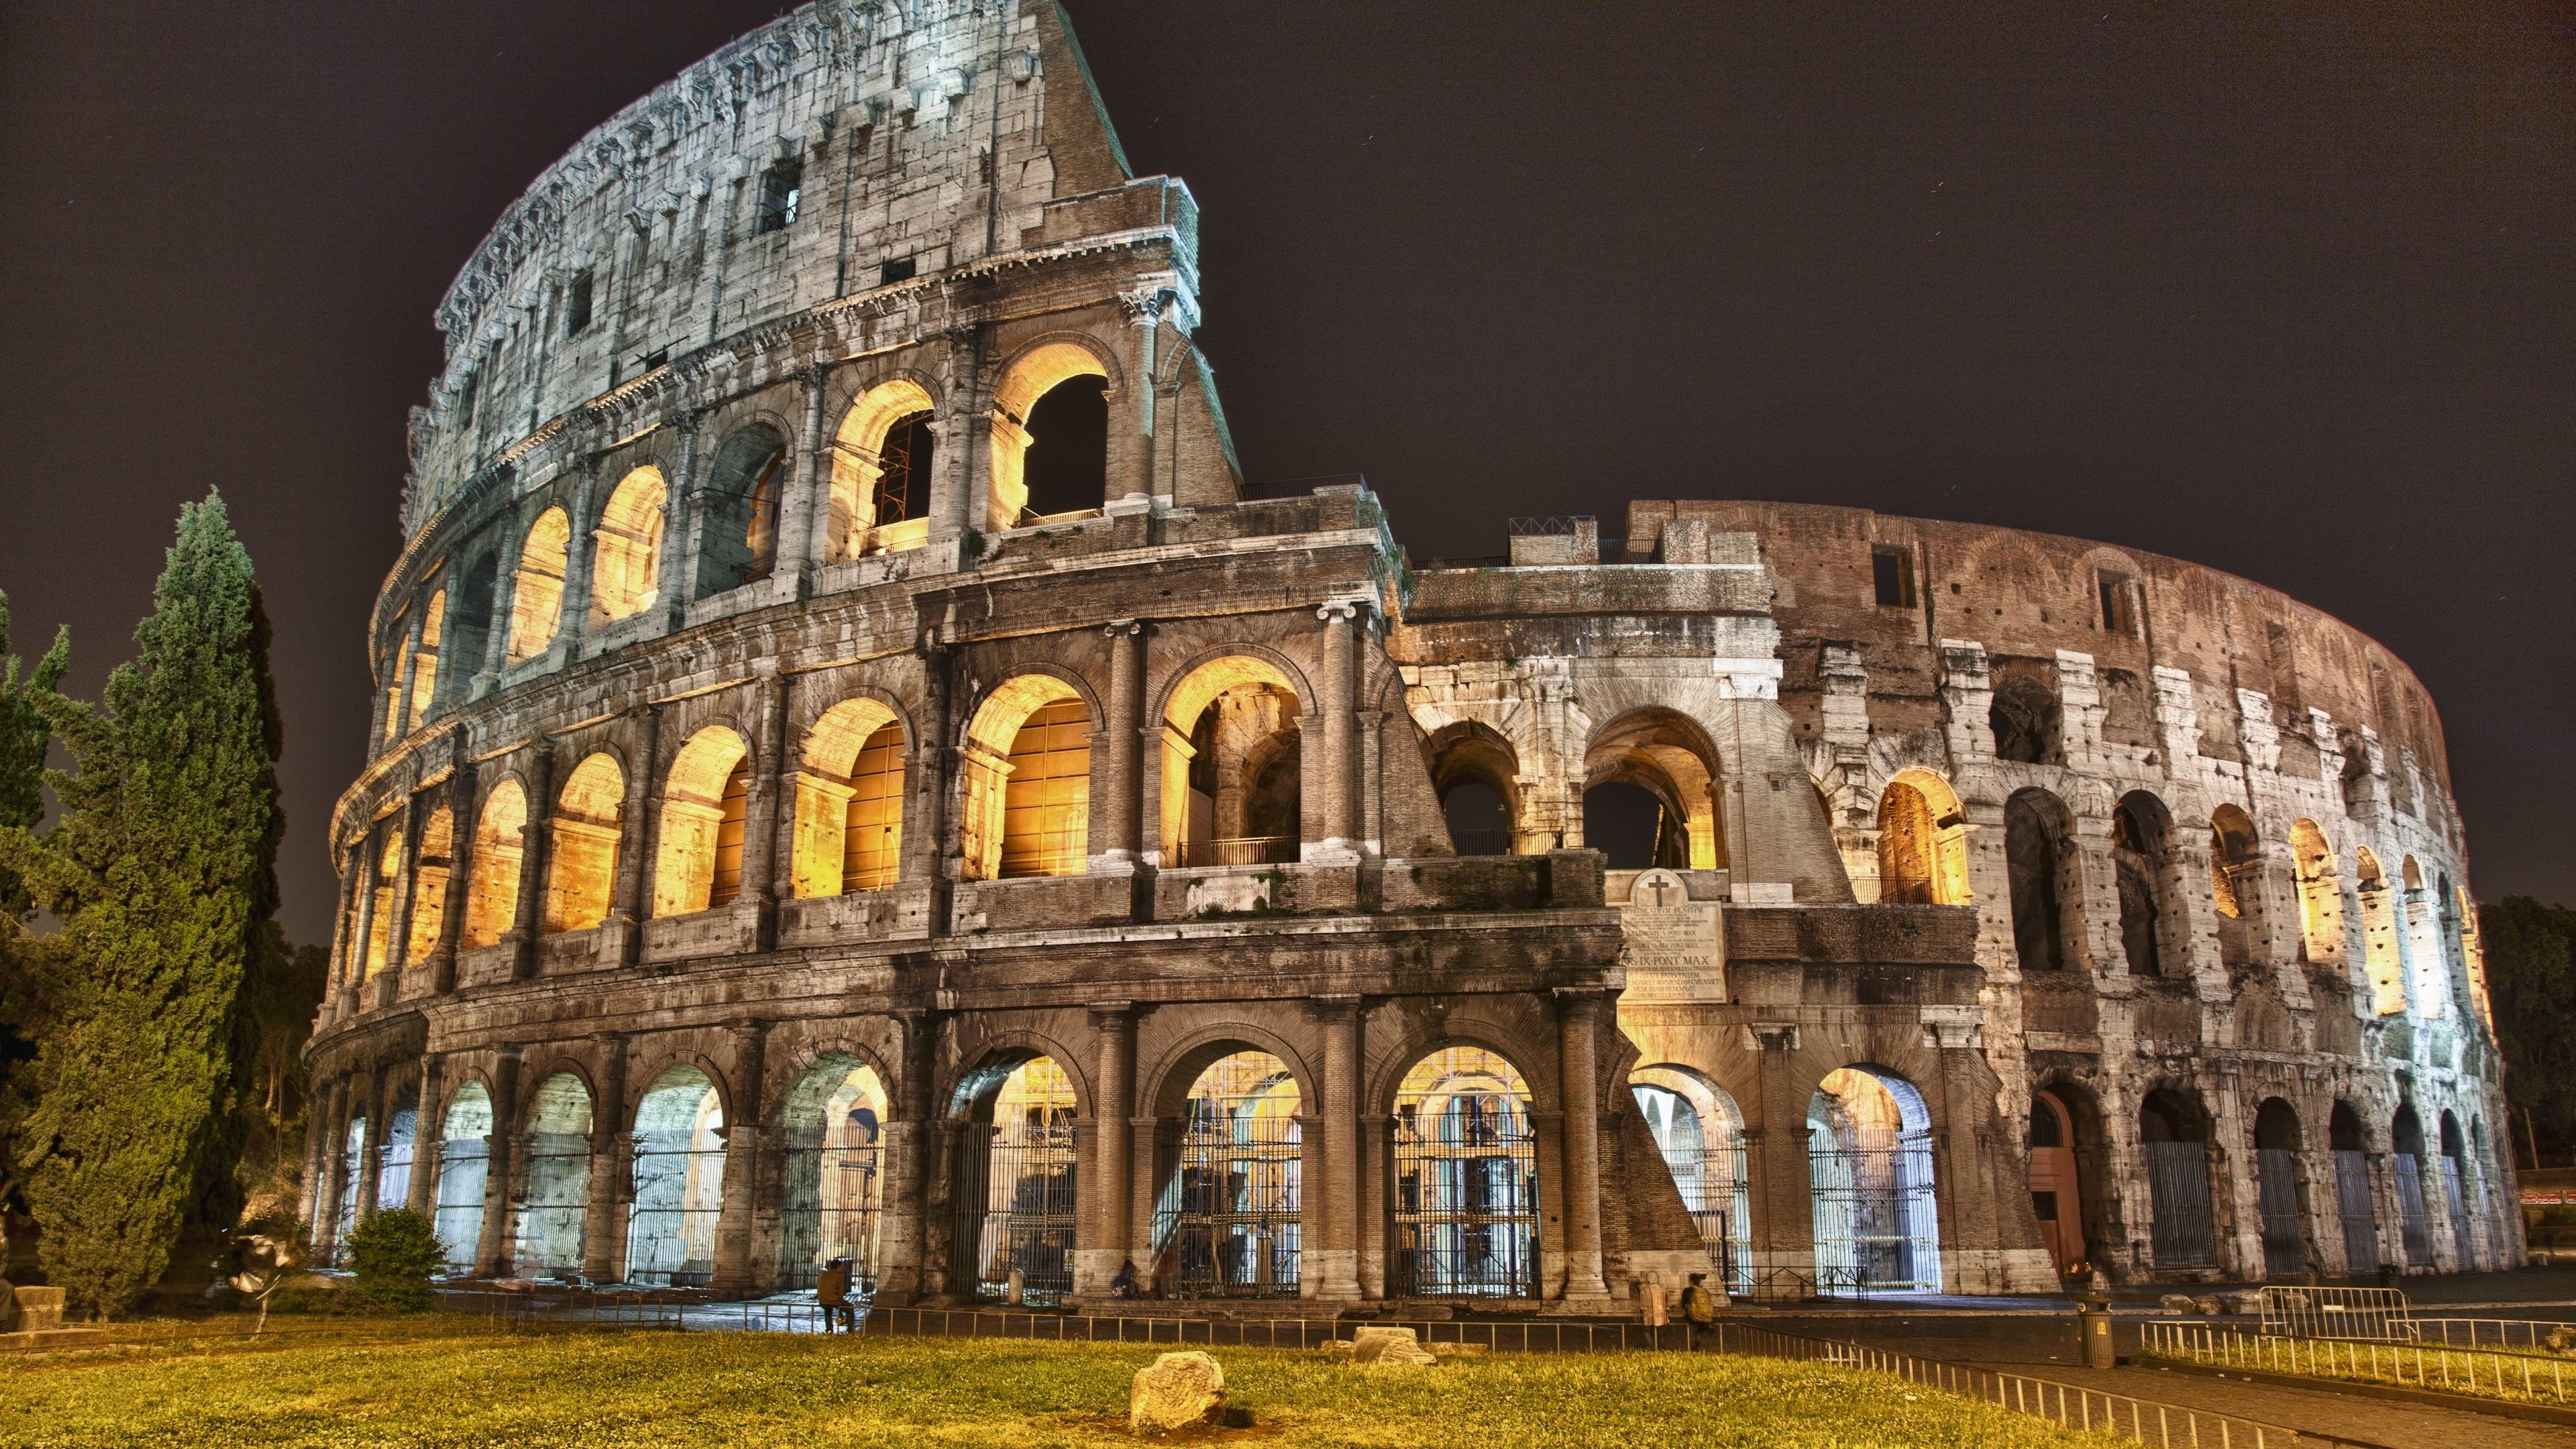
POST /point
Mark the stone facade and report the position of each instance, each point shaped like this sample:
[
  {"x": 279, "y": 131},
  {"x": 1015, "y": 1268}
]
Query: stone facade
[{"x": 784, "y": 837}]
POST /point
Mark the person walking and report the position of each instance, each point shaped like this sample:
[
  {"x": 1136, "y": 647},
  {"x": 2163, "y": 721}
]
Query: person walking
[
  {"x": 1699, "y": 1309},
  {"x": 832, "y": 1291}
]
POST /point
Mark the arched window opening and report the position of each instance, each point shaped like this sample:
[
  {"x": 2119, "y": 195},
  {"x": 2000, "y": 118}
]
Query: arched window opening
[
  {"x": 1700, "y": 1134},
  {"x": 2236, "y": 884},
  {"x": 353, "y": 1167},
  {"x": 738, "y": 513},
  {"x": 679, "y": 1181},
  {"x": 492, "y": 900},
  {"x": 588, "y": 816},
  {"x": 1869, "y": 1157},
  {"x": 626, "y": 567},
  {"x": 464, "y": 1173},
  {"x": 881, "y": 461},
  {"x": 394, "y": 1158},
  {"x": 703, "y": 804},
  {"x": 2056, "y": 1182},
  {"x": 835, "y": 1174},
  {"x": 536, "y": 595},
  {"x": 2429, "y": 983},
  {"x": 1477, "y": 778},
  {"x": 2406, "y": 1170},
  {"x": 1050, "y": 437},
  {"x": 2356, "y": 772},
  {"x": 1028, "y": 782},
  {"x": 1922, "y": 842},
  {"x": 1669, "y": 757},
  {"x": 902, "y": 492},
  {"x": 2320, "y": 895},
  {"x": 1629, "y": 824},
  {"x": 1465, "y": 1215},
  {"x": 2473, "y": 952},
  {"x": 2454, "y": 1190},
  {"x": 2379, "y": 936},
  {"x": 2175, "y": 1138},
  {"x": 1015, "y": 1193},
  {"x": 2025, "y": 718},
  {"x": 1232, "y": 767},
  {"x": 2277, "y": 1142},
  {"x": 424, "y": 660},
  {"x": 1227, "y": 1222},
  {"x": 429, "y": 873},
  {"x": 2138, "y": 853},
  {"x": 393, "y": 681},
  {"x": 380, "y": 906},
  {"x": 468, "y": 634},
  {"x": 2483, "y": 1184},
  {"x": 849, "y": 801},
  {"x": 554, "y": 1182},
  {"x": 2354, "y": 1211},
  {"x": 2039, "y": 849}
]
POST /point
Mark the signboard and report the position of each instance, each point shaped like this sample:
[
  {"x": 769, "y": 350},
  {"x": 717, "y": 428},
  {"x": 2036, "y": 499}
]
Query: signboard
[{"x": 1672, "y": 951}]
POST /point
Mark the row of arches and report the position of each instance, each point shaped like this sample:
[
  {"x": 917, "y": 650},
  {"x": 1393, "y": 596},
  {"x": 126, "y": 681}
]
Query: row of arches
[{"x": 1651, "y": 794}]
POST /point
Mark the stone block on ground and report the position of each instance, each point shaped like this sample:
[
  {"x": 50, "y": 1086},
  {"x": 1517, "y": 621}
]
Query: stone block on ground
[
  {"x": 1176, "y": 1391},
  {"x": 37, "y": 1310},
  {"x": 2209, "y": 1305},
  {"x": 2177, "y": 1303},
  {"x": 1462, "y": 1350},
  {"x": 1389, "y": 1345}
]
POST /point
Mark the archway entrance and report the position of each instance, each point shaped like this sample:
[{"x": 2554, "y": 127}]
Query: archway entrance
[
  {"x": 2360, "y": 1221},
  {"x": 2056, "y": 1181},
  {"x": 554, "y": 1182},
  {"x": 834, "y": 1193},
  {"x": 1465, "y": 1205},
  {"x": 1869, "y": 1154},
  {"x": 2406, "y": 1166},
  {"x": 679, "y": 1181},
  {"x": 1015, "y": 1197},
  {"x": 1227, "y": 1224},
  {"x": 1701, "y": 1135},
  {"x": 2176, "y": 1142},
  {"x": 464, "y": 1171},
  {"x": 394, "y": 1157},
  {"x": 2276, "y": 1177},
  {"x": 2454, "y": 1193}
]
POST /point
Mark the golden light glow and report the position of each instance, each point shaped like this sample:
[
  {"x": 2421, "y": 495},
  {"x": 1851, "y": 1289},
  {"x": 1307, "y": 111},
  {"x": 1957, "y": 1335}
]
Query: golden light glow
[
  {"x": 857, "y": 464},
  {"x": 584, "y": 859},
  {"x": 1028, "y": 781},
  {"x": 1922, "y": 842},
  {"x": 536, "y": 597},
  {"x": 1028, "y": 380},
  {"x": 849, "y": 801},
  {"x": 693, "y": 816},
  {"x": 492, "y": 904},
  {"x": 626, "y": 566}
]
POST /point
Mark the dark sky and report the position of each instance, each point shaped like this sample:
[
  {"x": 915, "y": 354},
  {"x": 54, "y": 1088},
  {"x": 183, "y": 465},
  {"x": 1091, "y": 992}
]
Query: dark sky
[{"x": 2292, "y": 294}]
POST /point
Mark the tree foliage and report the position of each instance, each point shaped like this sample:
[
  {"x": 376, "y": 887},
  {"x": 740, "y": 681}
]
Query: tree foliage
[
  {"x": 25, "y": 964},
  {"x": 2531, "y": 980},
  {"x": 162, "y": 871},
  {"x": 391, "y": 1256}
]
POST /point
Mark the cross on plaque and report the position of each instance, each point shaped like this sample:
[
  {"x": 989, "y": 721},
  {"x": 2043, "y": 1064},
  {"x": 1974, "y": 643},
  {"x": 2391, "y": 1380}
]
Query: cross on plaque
[{"x": 1659, "y": 881}]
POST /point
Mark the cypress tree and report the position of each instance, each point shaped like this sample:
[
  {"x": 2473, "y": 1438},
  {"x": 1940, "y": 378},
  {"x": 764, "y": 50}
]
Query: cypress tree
[
  {"x": 162, "y": 871},
  {"x": 24, "y": 736}
]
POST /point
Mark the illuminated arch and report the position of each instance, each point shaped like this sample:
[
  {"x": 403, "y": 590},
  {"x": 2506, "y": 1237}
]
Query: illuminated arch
[
  {"x": 536, "y": 593},
  {"x": 626, "y": 562},
  {"x": 2320, "y": 893},
  {"x": 429, "y": 881},
  {"x": 424, "y": 659},
  {"x": 679, "y": 1168},
  {"x": 1700, "y": 1132},
  {"x": 1668, "y": 755},
  {"x": 380, "y": 909},
  {"x": 589, "y": 813},
  {"x": 1027, "y": 783},
  {"x": 552, "y": 1194},
  {"x": 1466, "y": 1177},
  {"x": 705, "y": 802},
  {"x": 1219, "y": 773},
  {"x": 835, "y": 1121},
  {"x": 1869, "y": 1155},
  {"x": 881, "y": 495},
  {"x": 2379, "y": 950},
  {"x": 1922, "y": 842},
  {"x": 1030, "y": 376},
  {"x": 492, "y": 899},
  {"x": 849, "y": 800},
  {"x": 2429, "y": 967}
]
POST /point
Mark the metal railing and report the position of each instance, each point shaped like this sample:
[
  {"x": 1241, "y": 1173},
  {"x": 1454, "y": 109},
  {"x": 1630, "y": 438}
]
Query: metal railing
[
  {"x": 2381, "y": 1313},
  {"x": 2496, "y": 1332},
  {"x": 1241, "y": 850},
  {"x": 2530, "y": 1378}
]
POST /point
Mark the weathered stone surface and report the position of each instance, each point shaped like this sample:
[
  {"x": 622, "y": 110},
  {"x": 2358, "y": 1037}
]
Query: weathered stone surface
[
  {"x": 1389, "y": 1346},
  {"x": 1176, "y": 1391},
  {"x": 31, "y": 1310}
]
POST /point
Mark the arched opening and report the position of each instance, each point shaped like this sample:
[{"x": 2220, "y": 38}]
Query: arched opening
[
  {"x": 492, "y": 901},
  {"x": 353, "y": 1167},
  {"x": 835, "y": 1178},
  {"x": 1050, "y": 437},
  {"x": 424, "y": 659},
  {"x": 380, "y": 905},
  {"x": 738, "y": 512},
  {"x": 2320, "y": 894},
  {"x": 849, "y": 801},
  {"x": 2039, "y": 849},
  {"x": 554, "y": 1182},
  {"x": 2354, "y": 1210},
  {"x": 2483, "y": 1186},
  {"x": 1226, "y": 1224},
  {"x": 1922, "y": 842},
  {"x": 429, "y": 870},
  {"x": 1232, "y": 766},
  {"x": 536, "y": 594},
  {"x": 705, "y": 800},
  {"x": 2429, "y": 979},
  {"x": 1015, "y": 1189},
  {"x": 1869, "y": 1159},
  {"x": 395, "y": 659},
  {"x": 1465, "y": 1208},
  {"x": 2140, "y": 840},
  {"x": 2174, "y": 1135},
  {"x": 2473, "y": 951},
  {"x": 469, "y": 634},
  {"x": 1667, "y": 756},
  {"x": 1700, "y": 1132},
  {"x": 394, "y": 1158},
  {"x": 679, "y": 1181},
  {"x": 583, "y": 864},
  {"x": 1028, "y": 781},
  {"x": 881, "y": 461},
  {"x": 2056, "y": 1181},
  {"x": 2379, "y": 936},
  {"x": 2236, "y": 884},
  {"x": 464, "y": 1174},
  {"x": 2277, "y": 1142},
  {"x": 2455, "y": 1191},
  {"x": 2025, "y": 717},
  {"x": 626, "y": 566},
  {"x": 2406, "y": 1169},
  {"x": 1477, "y": 778}
]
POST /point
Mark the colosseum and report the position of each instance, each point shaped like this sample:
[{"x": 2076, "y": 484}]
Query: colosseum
[{"x": 856, "y": 776}]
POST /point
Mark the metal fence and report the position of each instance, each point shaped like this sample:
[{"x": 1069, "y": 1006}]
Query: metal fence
[
  {"x": 2520, "y": 1376},
  {"x": 2380, "y": 1313}
]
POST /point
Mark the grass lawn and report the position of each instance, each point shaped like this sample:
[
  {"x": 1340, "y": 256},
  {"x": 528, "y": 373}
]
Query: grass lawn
[{"x": 441, "y": 1385}]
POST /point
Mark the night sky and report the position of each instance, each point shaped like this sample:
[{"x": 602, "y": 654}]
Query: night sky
[{"x": 2293, "y": 295}]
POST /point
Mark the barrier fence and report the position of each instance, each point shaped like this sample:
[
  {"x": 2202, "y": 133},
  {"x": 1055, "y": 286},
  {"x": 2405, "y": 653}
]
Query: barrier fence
[{"x": 2526, "y": 1377}]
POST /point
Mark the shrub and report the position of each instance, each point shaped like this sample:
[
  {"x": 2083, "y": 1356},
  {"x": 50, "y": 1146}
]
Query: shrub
[{"x": 391, "y": 1256}]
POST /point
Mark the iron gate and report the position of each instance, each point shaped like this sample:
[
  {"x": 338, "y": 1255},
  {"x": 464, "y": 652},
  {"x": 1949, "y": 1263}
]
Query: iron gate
[
  {"x": 671, "y": 1226},
  {"x": 1233, "y": 1232},
  {"x": 1015, "y": 1206},
  {"x": 2360, "y": 1221},
  {"x": 554, "y": 1183},
  {"x": 2459, "y": 1210},
  {"x": 1465, "y": 1206},
  {"x": 2276, "y": 1182},
  {"x": 834, "y": 1197},
  {"x": 1873, "y": 1202},
  {"x": 465, "y": 1167},
  {"x": 2178, "y": 1186},
  {"x": 2410, "y": 1208}
]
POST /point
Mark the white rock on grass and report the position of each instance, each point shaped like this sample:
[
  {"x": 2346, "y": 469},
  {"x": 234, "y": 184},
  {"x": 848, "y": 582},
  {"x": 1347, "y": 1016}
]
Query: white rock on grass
[
  {"x": 1174, "y": 1392},
  {"x": 1388, "y": 1345}
]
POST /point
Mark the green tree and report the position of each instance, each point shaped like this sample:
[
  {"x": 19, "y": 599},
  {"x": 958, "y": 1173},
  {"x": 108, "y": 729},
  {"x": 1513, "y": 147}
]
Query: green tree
[
  {"x": 2531, "y": 981},
  {"x": 162, "y": 871},
  {"x": 391, "y": 1256},
  {"x": 24, "y": 962}
]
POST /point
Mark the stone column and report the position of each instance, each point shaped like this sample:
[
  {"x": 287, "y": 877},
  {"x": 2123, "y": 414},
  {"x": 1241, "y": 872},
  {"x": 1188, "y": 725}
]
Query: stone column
[
  {"x": 492, "y": 1244},
  {"x": 371, "y": 1151},
  {"x": 1377, "y": 1132},
  {"x": 1332, "y": 1207},
  {"x": 1096, "y": 1261},
  {"x": 505, "y": 600},
  {"x": 328, "y": 1191},
  {"x": 536, "y": 854},
  {"x": 636, "y": 832},
  {"x": 1126, "y": 742},
  {"x": 461, "y": 804},
  {"x": 406, "y": 879},
  {"x": 1775, "y": 1141},
  {"x": 802, "y": 518},
  {"x": 768, "y": 872},
  {"x": 603, "y": 1243},
  {"x": 1578, "y": 1013},
  {"x": 1145, "y": 314},
  {"x": 582, "y": 548},
  {"x": 910, "y": 1133},
  {"x": 345, "y": 942},
  {"x": 676, "y": 570},
  {"x": 1340, "y": 731},
  {"x": 733, "y": 1267},
  {"x": 924, "y": 824},
  {"x": 314, "y": 1200},
  {"x": 426, "y": 1135}
]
